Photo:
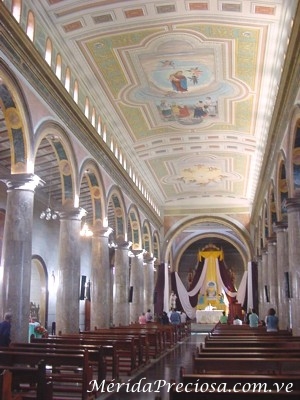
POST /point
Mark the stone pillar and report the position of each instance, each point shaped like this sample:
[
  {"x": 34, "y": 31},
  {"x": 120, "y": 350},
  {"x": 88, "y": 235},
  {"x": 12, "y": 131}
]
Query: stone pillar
[
  {"x": 148, "y": 283},
  {"x": 67, "y": 300},
  {"x": 15, "y": 270},
  {"x": 136, "y": 305},
  {"x": 260, "y": 285},
  {"x": 121, "y": 285},
  {"x": 293, "y": 211},
  {"x": 265, "y": 282},
  {"x": 282, "y": 269},
  {"x": 100, "y": 279},
  {"x": 272, "y": 274}
]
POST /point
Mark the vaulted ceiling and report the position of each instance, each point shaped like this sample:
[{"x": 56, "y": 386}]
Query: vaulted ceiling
[{"x": 186, "y": 87}]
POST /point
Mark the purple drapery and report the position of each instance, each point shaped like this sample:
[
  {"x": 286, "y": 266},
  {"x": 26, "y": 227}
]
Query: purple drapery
[
  {"x": 227, "y": 280},
  {"x": 159, "y": 290},
  {"x": 193, "y": 299}
]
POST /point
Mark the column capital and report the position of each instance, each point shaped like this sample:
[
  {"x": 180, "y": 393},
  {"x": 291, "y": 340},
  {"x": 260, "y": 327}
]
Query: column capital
[
  {"x": 293, "y": 204},
  {"x": 123, "y": 245},
  {"x": 101, "y": 231},
  {"x": 137, "y": 252},
  {"x": 280, "y": 226},
  {"x": 22, "y": 181},
  {"x": 72, "y": 213}
]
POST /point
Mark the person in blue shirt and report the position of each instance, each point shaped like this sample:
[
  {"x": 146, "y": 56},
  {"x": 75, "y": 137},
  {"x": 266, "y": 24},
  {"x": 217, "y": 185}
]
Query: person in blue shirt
[
  {"x": 253, "y": 319},
  {"x": 271, "y": 321},
  {"x": 5, "y": 326},
  {"x": 175, "y": 317}
]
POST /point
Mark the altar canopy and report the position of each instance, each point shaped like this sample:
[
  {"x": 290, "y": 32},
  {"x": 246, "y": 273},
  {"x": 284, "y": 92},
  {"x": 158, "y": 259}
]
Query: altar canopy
[{"x": 212, "y": 286}]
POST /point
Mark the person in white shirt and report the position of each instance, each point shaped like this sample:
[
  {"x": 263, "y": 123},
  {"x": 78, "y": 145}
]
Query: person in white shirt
[{"x": 237, "y": 321}]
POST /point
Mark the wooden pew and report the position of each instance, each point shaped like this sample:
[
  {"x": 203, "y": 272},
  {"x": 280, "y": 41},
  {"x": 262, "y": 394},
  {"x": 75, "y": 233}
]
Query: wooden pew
[
  {"x": 238, "y": 381},
  {"x": 109, "y": 351},
  {"x": 247, "y": 365},
  {"x": 95, "y": 353},
  {"x": 31, "y": 382},
  {"x": 70, "y": 373},
  {"x": 6, "y": 386},
  {"x": 194, "y": 395}
]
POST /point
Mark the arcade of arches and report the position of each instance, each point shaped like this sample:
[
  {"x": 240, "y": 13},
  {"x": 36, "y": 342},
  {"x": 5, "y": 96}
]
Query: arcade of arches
[{"x": 48, "y": 164}]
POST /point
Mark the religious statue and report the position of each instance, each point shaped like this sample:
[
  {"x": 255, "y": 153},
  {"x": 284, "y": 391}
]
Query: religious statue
[{"x": 173, "y": 299}]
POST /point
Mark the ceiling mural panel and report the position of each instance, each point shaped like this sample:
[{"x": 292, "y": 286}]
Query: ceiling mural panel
[{"x": 187, "y": 88}]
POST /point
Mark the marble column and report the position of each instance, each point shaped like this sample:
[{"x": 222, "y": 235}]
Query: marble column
[
  {"x": 282, "y": 268},
  {"x": 265, "y": 282},
  {"x": 272, "y": 273},
  {"x": 293, "y": 211},
  {"x": 260, "y": 284},
  {"x": 15, "y": 270},
  {"x": 100, "y": 279},
  {"x": 67, "y": 299},
  {"x": 135, "y": 307},
  {"x": 148, "y": 283},
  {"x": 121, "y": 285}
]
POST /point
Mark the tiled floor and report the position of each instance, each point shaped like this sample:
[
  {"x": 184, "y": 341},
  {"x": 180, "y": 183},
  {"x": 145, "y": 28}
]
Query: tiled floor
[{"x": 166, "y": 369}]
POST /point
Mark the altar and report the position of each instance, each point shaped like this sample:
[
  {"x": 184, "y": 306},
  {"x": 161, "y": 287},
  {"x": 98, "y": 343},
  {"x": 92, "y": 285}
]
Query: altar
[{"x": 208, "y": 317}]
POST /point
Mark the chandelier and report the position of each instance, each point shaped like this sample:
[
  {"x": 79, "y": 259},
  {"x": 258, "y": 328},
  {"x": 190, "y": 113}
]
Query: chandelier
[
  {"x": 86, "y": 231},
  {"x": 49, "y": 213}
]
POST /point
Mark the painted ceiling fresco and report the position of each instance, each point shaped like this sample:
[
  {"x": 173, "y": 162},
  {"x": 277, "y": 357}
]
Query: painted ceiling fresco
[{"x": 188, "y": 89}]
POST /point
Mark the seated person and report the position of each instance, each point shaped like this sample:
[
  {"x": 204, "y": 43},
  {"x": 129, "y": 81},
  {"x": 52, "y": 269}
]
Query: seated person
[
  {"x": 223, "y": 318},
  {"x": 142, "y": 318},
  {"x": 271, "y": 321},
  {"x": 253, "y": 319},
  {"x": 237, "y": 321}
]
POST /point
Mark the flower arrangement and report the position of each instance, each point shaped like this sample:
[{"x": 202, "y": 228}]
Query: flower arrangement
[{"x": 40, "y": 330}]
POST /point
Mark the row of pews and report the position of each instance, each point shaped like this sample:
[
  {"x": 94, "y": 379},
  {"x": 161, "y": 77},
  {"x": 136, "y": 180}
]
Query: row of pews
[
  {"x": 237, "y": 361},
  {"x": 66, "y": 366}
]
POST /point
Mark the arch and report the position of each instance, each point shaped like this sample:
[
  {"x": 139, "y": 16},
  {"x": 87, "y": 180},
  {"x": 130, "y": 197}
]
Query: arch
[
  {"x": 293, "y": 127},
  {"x": 39, "y": 293},
  {"x": 147, "y": 237},
  {"x": 229, "y": 226},
  {"x": 116, "y": 214},
  {"x": 94, "y": 183},
  {"x": 63, "y": 164},
  {"x": 282, "y": 189},
  {"x": 18, "y": 123},
  {"x": 134, "y": 228},
  {"x": 272, "y": 216},
  {"x": 156, "y": 246}
]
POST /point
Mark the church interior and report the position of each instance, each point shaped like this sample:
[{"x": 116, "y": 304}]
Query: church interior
[{"x": 148, "y": 147}]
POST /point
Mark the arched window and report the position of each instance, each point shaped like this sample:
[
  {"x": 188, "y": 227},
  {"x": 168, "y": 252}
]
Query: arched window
[
  {"x": 30, "y": 25},
  {"x": 48, "y": 54},
  {"x": 16, "y": 9},
  {"x": 94, "y": 117},
  {"x": 76, "y": 91},
  {"x": 87, "y": 107},
  {"x": 68, "y": 80},
  {"x": 58, "y": 66}
]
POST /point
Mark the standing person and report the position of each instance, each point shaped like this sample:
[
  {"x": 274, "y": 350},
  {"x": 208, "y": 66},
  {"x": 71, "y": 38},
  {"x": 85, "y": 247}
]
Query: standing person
[
  {"x": 173, "y": 299},
  {"x": 253, "y": 319},
  {"x": 5, "y": 326},
  {"x": 149, "y": 316},
  {"x": 271, "y": 321},
  {"x": 175, "y": 317},
  {"x": 165, "y": 319}
]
